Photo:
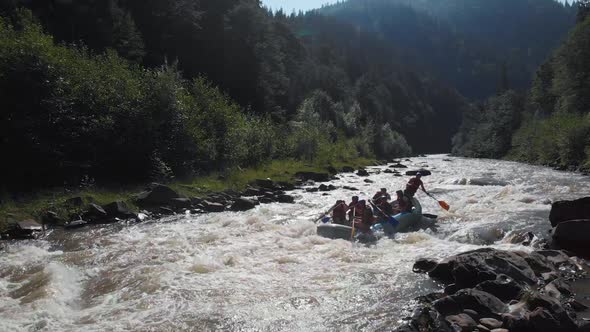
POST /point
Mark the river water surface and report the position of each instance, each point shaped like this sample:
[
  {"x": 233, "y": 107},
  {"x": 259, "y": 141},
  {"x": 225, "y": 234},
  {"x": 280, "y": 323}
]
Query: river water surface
[{"x": 265, "y": 269}]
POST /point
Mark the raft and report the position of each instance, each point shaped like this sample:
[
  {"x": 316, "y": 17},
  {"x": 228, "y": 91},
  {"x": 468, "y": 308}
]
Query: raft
[{"x": 405, "y": 222}]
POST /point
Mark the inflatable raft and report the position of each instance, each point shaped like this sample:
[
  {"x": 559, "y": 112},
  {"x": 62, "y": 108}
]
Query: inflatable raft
[{"x": 404, "y": 222}]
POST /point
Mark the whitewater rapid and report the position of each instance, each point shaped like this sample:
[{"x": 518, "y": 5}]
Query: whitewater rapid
[{"x": 265, "y": 269}]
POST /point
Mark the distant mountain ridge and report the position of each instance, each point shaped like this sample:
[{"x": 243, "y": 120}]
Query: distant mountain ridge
[{"x": 471, "y": 44}]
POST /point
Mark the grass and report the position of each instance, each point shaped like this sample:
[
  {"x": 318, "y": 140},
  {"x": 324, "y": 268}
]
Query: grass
[{"x": 34, "y": 206}]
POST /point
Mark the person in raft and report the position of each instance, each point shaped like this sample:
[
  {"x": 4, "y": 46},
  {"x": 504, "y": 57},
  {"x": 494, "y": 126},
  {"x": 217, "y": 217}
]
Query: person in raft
[
  {"x": 380, "y": 195},
  {"x": 401, "y": 204},
  {"x": 413, "y": 185},
  {"x": 354, "y": 209},
  {"x": 339, "y": 213},
  {"x": 367, "y": 220}
]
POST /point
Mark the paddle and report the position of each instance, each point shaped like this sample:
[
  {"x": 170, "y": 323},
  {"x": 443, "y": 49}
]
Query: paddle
[
  {"x": 325, "y": 213},
  {"x": 442, "y": 204},
  {"x": 352, "y": 232}
]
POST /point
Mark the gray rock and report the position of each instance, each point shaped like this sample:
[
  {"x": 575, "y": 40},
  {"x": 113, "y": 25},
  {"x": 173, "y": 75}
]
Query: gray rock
[
  {"x": 157, "y": 195},
  {"x": 504, "y": 289},
  {"x": 314, "y": 176},
  {"x": 119, "y": 209},
  {"x": 347, "y": 169},
  {"x": 94, "y": 213},
  {"x": 569, "y": 210},
  {"x": 286, "y": 199},
  {"x": 51, "y": 218},
  {"x": 424, "y": 265},
  {"x": 181, "y": 203},
  {"x": 362, "y": 172},
  {"x": 424, "y": 172}
]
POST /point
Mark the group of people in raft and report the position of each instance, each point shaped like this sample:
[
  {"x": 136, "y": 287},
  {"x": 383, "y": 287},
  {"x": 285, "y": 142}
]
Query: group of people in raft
[{"x": 380, "y": 207}]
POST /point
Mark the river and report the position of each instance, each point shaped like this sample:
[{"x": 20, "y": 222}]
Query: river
[{"x": 265, "y": 269}]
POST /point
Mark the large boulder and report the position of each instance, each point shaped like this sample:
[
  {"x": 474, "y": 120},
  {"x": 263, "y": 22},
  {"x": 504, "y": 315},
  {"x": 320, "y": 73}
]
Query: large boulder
[
  {"x": 473, "y": 267},
  {"x": 94, "y": 213},
  {"x": 119, "y": 209},
  {"x": 569, "y": 210},
  {"x": 481, "y": 302},
  {"x": 243, "y": 204},
  {"x": 314, "y": 176},
  {"x": 462, "y": 322},
  {"x": 573, "y": 235},
  {"x": 362, "y": 172},
  {"x": 424, "y": 172},
  {"x": 504, "y": 288},
  {"x": 157, "y": 194},
  {"x": 213, "y": 206}
]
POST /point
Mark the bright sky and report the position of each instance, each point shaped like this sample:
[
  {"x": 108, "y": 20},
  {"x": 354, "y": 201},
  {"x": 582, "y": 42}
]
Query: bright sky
[{"x": 289, "y": 5}]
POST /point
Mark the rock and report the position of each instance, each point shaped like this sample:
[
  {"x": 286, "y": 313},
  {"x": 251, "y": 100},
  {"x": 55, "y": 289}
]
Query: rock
[
  {"x": 213, "y": 206},
  {"x": 500, "y": 330},
  {"x": 556, "y": 257},
  {"x": 165, "y": 211},
  {"x": 75, "y": 201},
  {"x": 464, "y": 322},
  {"x": 369, "y": 181},
  {"x": 332, "y": 170},
  {"x": 157, "y": 195},
  {"x": 26, "y": 229},
  {"x": 312, "y": 190},
  {"x": 505, "y": 290},
  {"x": 473, "y": 267},
  {"x": 569, "y": 210},
  {"x": 181, "y": 203},
  {"x": 285, "y": 186},
  {"x": 251, "y": 191},
  {"x": 94, "y": 213},
  {"x": 423, "y": 265},
  {"x": 522, "y": 238},
  {"x": 541, "y": 320},
  {"x": 491, "y": 323},
  {"x": 573, "y": 235},
  {"x": 324, "y": 187},
  {"x": 398, "y": 165},
  {"x": 362, "y": 172},
  {"x": 51, "y": 218},
  {"x": 515, "y": 323},
  {"x": 243, "y": 204},
  {"x": 314, "y": 176},
  {"x": 266, "y": 200},
  {"x": 75, "y": 224},
  {"x": 347, "y": 169},
  {"x": 350, "y": 188},
  {"x": 482, "y": 302},
  {"x": 264, "y": 183},
  {"x": 471, "y": 313},
  {"x": 119, "y": 209},
  {"x": 481, "y": 328},
  {"x": 285, "y": 199},
  {"x": 487, "y": 182},
  {"x": 388, "y": 171},
  {"x": 422, "y": 171}
]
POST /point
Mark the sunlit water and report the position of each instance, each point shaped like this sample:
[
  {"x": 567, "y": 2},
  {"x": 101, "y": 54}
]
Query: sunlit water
[{"x": 266, "y": 270}]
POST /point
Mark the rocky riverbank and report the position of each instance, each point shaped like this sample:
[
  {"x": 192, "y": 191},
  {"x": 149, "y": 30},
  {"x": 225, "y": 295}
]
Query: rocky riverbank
[{"x": 516, "y": 291}]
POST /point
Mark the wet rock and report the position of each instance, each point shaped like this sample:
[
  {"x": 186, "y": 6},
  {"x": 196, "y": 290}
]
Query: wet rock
[
  {"x": 569, "y": 210},
  {"x": 314, "y": 176},
  {"x": 522, "y": 238},
  {"x": 473, "y": 267},
  {"x": 424, "y": 265},
  {"x": 324, "y": 187},
  {"x": 362, "y": 172},
  {"x": 266, "y": 200},
  {"x": 332, "y": 170},
  {"x": 312, "y": 190},
  {"x": 487, "y": 182},
  {"x": 347, "y": 169},
  {"x": 165, "y": 211},
  {"x": 350, "y": 188},
  {"x": 157, "y": 195},
  {"x": 285, "y": 199},
  {"x": 484, "y": 303},
  {"x": 243, "y": 204},
  {"x": 369, "y": 181},
  {"x": 264, "y": 183},
  {"x": 491, "y": 323},
  {"x": 213, "y": 206},
  {"x": 119, "y": 209},
  {"x": 285, "y": 186},
  {"x": 424, "y": 172},
  {"x": 462, "y": 322},
  {"x": 75, "y": 201},
  {"x": 481, "y": 328},
  {"x": 26, "y": 229},
  {"x": 388, "y": 171},
  {"x": 76, "y": 224},
  {"x": 505, "y": 290},
  {"x": 573, "y": 235},
  {"x": 541, "y": 320},
  {"x": 556, "y": 257},
  {"x": 398, "y": 165},
  {"x": 501, "y": 330}
]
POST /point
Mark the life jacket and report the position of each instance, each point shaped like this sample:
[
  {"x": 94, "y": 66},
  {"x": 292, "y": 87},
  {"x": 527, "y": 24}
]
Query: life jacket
[
  {"x": 340, "y": 211},
  {"x": 413, "y": 185}
]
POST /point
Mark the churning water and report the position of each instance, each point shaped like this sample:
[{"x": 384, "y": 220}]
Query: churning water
[{"x": 265, "y": 269}]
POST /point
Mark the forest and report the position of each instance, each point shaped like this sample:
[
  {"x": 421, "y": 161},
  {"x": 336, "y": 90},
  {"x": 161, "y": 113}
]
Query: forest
[{"x": 134, "y": 91}]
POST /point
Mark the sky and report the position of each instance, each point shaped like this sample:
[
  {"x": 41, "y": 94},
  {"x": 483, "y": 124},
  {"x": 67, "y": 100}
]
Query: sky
[{"x": 289, "y": 5}]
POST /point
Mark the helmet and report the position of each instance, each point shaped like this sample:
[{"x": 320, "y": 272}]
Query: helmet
[{"x": 419, "y": 174}]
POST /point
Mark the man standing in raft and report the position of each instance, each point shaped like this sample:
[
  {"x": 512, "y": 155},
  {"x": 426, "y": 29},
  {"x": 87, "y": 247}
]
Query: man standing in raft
[{"x": 413, "y": 185}]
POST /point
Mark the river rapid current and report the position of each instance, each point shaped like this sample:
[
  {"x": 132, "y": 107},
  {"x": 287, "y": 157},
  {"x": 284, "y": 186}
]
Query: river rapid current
[{"x": 266, "y": 269}]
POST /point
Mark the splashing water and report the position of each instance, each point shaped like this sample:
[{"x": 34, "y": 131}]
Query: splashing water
[{"x": 265, "y": 269}]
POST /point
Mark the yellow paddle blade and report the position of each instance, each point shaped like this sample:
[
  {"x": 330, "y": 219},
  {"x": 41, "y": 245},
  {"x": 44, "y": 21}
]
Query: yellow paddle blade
[{"x": 444, "y": 205}]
